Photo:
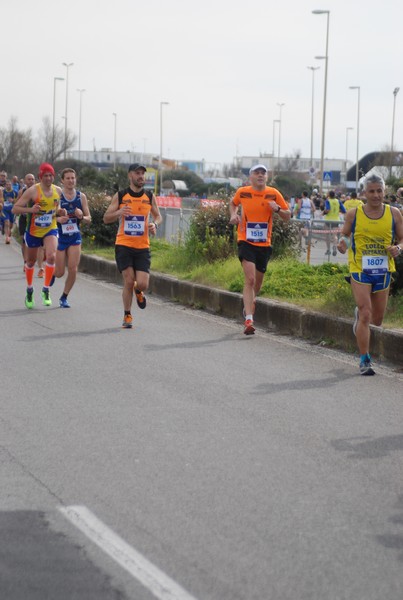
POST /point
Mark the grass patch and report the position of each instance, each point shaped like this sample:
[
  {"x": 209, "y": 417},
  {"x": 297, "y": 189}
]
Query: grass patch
[{"x": 320, "y": 288}]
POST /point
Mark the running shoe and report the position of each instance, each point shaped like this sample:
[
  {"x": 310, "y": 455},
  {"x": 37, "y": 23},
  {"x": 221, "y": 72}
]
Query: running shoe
[
  {"x": 248, "y": 327},
  {"x": 141, "y": 299},
  {"x": 64, "y": 303},
  {"x": 41, "y": 273},
  {"x": 327, "y": 253},
  {"x": 366, "y": 367},
  {"x": 46, "y": 301},
  {"x": 334, "y": 252},
  {"x": 356, "y": 317},
  {"x": 7, "y": 240},
  {"x": 127, "y": 322},
  {"x": 29, "y": 298}
]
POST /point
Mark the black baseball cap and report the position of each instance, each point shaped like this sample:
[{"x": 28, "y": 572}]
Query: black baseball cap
[{"x": 136, "y": 166}]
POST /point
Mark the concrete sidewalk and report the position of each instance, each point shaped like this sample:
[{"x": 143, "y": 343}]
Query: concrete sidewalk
[{"x": 279, "y": 317}]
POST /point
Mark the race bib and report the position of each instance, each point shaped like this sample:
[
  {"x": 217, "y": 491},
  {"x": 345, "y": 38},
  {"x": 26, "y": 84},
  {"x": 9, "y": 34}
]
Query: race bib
[
  {"x": 375, "y": 265},
  {"x": 134, "y": 225},
  {"x": 70, "y": 227},
  {"x": 44, "y": 220},
  {"x": 256, "y": 232}
]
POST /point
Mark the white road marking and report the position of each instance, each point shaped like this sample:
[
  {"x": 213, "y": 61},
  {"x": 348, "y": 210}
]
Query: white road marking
[{"x": 157, "y": 582}]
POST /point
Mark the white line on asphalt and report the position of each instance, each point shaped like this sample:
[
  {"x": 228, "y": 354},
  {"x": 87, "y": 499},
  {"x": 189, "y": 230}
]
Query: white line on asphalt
[{"x": 159, "y": 584}]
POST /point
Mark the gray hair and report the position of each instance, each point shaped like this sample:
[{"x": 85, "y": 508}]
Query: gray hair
[{"x": 373, "y": 178}]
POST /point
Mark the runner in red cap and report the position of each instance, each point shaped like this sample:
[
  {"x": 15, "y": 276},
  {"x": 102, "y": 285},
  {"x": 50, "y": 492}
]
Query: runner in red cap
[{"x": 41, "y": 203}]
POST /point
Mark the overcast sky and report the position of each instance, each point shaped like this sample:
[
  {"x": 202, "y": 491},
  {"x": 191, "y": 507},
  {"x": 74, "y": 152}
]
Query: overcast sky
[{"x": 223, "y": 65}]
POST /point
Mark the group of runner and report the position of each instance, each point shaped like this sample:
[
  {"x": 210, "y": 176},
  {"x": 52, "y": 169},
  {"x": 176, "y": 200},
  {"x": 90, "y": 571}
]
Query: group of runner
[
  {"x": 372, "y": 233},
  {"x": 52, "y": 217}
]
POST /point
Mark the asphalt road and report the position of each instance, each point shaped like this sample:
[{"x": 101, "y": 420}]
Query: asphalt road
[{"x": 230, "y": 467}]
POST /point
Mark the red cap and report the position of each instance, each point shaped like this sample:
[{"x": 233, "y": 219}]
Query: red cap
[{"x": 45, "y": 168}]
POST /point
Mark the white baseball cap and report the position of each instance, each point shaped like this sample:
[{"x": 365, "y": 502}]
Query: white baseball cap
[{"x": 256, "y": 167}]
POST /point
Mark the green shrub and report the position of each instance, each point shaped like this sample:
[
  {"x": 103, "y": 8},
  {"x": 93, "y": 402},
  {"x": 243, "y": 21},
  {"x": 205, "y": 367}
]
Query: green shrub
[{"x": 97, "y": 232}]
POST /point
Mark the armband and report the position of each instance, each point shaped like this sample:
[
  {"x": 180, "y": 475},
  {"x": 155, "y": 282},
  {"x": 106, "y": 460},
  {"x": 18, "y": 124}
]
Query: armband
[{"x": 346, "y": 240}]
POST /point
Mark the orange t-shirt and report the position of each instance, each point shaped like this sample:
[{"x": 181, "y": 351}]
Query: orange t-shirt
[
  {"x": 133, "y": 229},
  {"x": 256, "y": 215}
]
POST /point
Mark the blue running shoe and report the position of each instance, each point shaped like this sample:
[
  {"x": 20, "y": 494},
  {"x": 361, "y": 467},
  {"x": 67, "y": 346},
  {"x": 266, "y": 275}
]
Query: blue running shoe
[
  {"x": 64, "y": 303},
  {"x": 366, "y": 367}
]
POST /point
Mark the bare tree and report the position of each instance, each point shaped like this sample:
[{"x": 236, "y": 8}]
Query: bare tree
[
  {"x": 15, "y": 146},
  {"x": 44, "y": 142}
]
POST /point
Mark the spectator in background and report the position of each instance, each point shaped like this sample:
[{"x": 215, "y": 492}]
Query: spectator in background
[
  {"x": 333, "y": 208},
  {"x": 305, "y": 210},
  {"x": 353, "y": 201}
]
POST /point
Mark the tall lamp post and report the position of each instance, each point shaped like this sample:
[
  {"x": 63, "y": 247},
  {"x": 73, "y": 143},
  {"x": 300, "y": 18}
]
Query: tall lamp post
[
  {"x": 54, "y": 111},
  {"x": 67, "y": 65},
  {"x": 280, "y": 105},
  {"x": 274, "y": 132},
  {"x": 114, "y": 140},
  {"x": 79, "y": 123},
  {"x": 395, "y": 92},
  {"x": 160, "y": 160},
  {"x": 313, "y": 69},
  {"x": 345, "y": 165},
  {"x": 358, "y": 88},
  {"x": 326, "y": 59}
]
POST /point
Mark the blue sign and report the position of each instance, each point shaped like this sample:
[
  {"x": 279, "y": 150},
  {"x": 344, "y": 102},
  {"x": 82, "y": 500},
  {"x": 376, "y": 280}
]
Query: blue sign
[{"x": 327, "y": 176}]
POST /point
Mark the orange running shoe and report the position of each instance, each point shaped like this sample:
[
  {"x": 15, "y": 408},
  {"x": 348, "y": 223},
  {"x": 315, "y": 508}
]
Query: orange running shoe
[
  {"x": 141, "y": 299},
  {"x": 249, "y": 329},
  {"x": 127, "y": 322}
]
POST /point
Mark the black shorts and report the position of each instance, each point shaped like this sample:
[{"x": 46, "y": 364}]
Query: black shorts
[
  {"x": 259, "y": 255},
  {"x": 139, "y": 260}
]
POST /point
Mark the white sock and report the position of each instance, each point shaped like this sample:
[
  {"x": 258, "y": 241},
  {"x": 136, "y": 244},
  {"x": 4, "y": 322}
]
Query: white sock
[{"x": 249, "y": 318}]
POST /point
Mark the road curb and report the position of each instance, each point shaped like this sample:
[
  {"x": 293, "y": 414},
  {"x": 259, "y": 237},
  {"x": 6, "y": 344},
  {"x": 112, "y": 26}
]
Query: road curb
[{"x": 279, "y": 317}]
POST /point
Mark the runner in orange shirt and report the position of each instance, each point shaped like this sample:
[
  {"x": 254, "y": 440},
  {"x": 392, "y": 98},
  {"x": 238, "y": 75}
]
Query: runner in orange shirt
[
  {"x": 133, "y": 208},
  {"x": 252, "y": 209}
]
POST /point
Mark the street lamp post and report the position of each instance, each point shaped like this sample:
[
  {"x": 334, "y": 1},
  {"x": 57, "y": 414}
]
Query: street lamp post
[
  {"x": 358, "y": 88},
  {"x": 395, "y": 92},
  {"x": 326, "y": 58},
  {"x": 54, "y": 110},
  {"x": 161, "y": 148},
  {"x": 313, "y": 69},
  {"x": 345, "y": 165},
  {"x": 67, "y": 65},
  {"x": 79, "y": 123},
  {"x": 274, "y": 131},
  {"x": 280, "y": 105},
  {"x": 114, "y": 141}
]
